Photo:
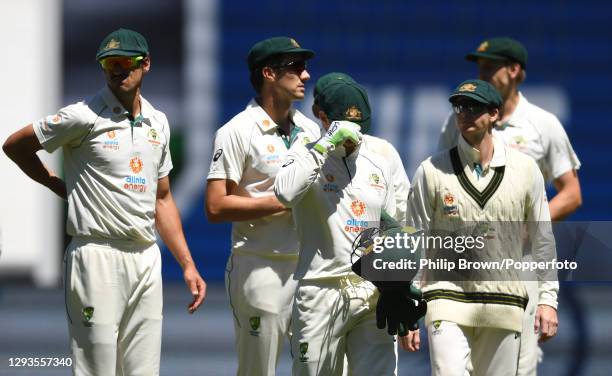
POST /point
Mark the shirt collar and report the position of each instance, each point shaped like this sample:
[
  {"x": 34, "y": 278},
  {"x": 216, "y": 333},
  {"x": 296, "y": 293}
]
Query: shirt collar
[
  {"x": 117, "y": 109},
  {"x": 518, "y": 117},
  {"x": 471, "y": 155},
  {"x": 261, "y": 117}
]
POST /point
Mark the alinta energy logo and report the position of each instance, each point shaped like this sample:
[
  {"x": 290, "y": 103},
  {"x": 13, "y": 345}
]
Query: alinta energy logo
[
  {"x": 111, "y": 142},
  {"x": 132, "y": 182},
  {"x": 356, "y": 225}
]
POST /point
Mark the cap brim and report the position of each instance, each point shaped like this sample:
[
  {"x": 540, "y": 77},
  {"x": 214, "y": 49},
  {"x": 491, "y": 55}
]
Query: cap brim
[
  {"x": 118, "y": 53},
  {"x": 468, "y": 95},
  {"x": 483, "y": 55},
  {"x": 308, "y": 54}
]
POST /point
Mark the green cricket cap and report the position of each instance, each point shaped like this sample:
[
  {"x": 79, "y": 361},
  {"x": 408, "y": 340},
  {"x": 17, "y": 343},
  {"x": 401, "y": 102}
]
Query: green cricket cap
[
  {"x": 267, "y": 48},
  {"x": 123, "y": 42},
  {"x": 500, "y": 49},
  {"x": 478, "y": 90},
  {"x": 343, "y": 100},
  {"x": 328, "y": 79}
]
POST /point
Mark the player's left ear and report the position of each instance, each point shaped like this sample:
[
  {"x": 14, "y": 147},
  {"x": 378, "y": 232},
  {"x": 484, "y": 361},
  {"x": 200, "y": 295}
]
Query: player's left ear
[
  {"x": 146, "y": 64},
  {"x": 494, "y": 113},
  {"x": 514, "y": 70}
]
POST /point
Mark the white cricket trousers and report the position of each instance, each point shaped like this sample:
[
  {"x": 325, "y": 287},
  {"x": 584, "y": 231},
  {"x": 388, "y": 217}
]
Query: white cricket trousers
[
  {"x": 114, "y": 307},
  {"x": 337, "y": 317},
  {"x": 531, "y": 353},
  {"x": 260, "y": 290},
  {"x": 457, "y": 350}
]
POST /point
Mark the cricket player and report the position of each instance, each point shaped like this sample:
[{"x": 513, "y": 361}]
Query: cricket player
[
  {"x": 537, "y": 133},
  {"x": 336, "y": 189},
  {"x": 401, "y": 184},
  {"x": 249, "y": 151},
  {"x": 116, "y": 165},
  {"x": 480, "y": 179}
]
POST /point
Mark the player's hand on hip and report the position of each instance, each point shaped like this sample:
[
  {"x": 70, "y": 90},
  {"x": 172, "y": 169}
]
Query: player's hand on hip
[
  {"x": 338, "y": 133},
  {"x": 546, "y": 322},
  {"x": 411, "y": 342},
  {"x": 196, "y": 285}
]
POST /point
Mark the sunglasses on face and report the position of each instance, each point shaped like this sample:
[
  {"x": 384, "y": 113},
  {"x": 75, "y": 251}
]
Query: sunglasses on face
[
  {"x": 296, "y": 67},
  {"x": 470, "y": 108},
  {"x": 125, "y": 62}
]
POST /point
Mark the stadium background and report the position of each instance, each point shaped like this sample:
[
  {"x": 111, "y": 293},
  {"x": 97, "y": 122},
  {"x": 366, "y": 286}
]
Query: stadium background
[{"x": 409, "y": 55}]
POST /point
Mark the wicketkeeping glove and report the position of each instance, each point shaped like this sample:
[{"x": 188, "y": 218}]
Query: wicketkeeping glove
[
  {"x": 400, "y": 304},
  {"x": 400, "y": 309},
  {"x": 337, "y": 134}
]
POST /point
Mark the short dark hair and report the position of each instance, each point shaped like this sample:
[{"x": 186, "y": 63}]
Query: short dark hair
[{"x": 255, "y": 75}]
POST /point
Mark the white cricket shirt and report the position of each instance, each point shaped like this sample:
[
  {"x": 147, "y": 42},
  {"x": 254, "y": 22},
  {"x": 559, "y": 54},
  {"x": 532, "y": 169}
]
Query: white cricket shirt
[
  {"x": 249, "y": 151},
  {"x": 333, "y": 198},
  {"x": 401, "y": 184},
  {"x": 111, "y": 167}
]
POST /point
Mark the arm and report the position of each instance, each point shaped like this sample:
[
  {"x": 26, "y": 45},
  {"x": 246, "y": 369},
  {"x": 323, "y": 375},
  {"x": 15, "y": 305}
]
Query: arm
[
  {"x": 300, "y": 169},
  {"x": 21, "y": 148},
  {"x": 168, "y": 223},
  {"x": 568, "y": 198},
  {"x": 225, "y": 201},
  {"x": 543, "y": 245}
]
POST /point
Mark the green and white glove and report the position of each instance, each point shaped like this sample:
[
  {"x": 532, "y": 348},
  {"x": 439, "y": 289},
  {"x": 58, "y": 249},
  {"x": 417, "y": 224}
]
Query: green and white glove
[{"x": 337, "y": 134}]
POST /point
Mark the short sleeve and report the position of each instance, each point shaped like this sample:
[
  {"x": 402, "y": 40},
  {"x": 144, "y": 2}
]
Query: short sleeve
[
  {"x": 68, "y": 127},
  {"x": 561, "y": 157},
  {"x": 229, "y": 156},
  {"x": 165, "y": 164}
]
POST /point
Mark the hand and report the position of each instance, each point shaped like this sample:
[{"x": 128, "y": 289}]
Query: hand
[
  {"x": 411, "y": 342},
  {"x": 546, "y": 322},
  {"x": 400, "y": 310},
  {"x": 337, "y": 134},
  {"x": 196, "y": 285}
]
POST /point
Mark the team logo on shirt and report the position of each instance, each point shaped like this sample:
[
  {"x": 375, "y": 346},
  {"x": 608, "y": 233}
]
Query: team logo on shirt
[
  {"x": 375, "y": 181},
  {"x": 111, "y": 143},
  {"x": 358, "y": 207},
  {"x": 450, "y": 205},
  {"x": 270, "y": 148},
  {"x": 136, "y": 164},
  {"x": 153, "y": 137}
]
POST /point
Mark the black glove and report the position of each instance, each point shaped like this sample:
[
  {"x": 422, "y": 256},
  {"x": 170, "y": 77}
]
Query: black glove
[
  {"x": 400, "y": 310},
  {"x": 400, "y": 304}
]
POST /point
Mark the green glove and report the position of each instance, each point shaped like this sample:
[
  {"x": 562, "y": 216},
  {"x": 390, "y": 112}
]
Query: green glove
[{"x": 337, "y": 134}]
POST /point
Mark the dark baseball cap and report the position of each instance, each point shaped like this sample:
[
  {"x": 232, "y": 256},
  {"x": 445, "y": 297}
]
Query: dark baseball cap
[
  {"x": 346, "y": 101},
  {"x": 478, "y": 90},
  {"x": 123, "y": 42},
  {"x": 501, "y": 49},
  {"x": 267, "y": 48},
  {"x": 328, "y": 79}
]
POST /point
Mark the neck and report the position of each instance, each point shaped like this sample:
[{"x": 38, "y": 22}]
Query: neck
[
  {"x": 129, "y": 100},
  {"x": 510, "y": 104},
  {"x": 484, "y": 144},
  {"x": 277, "y": 108}
]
